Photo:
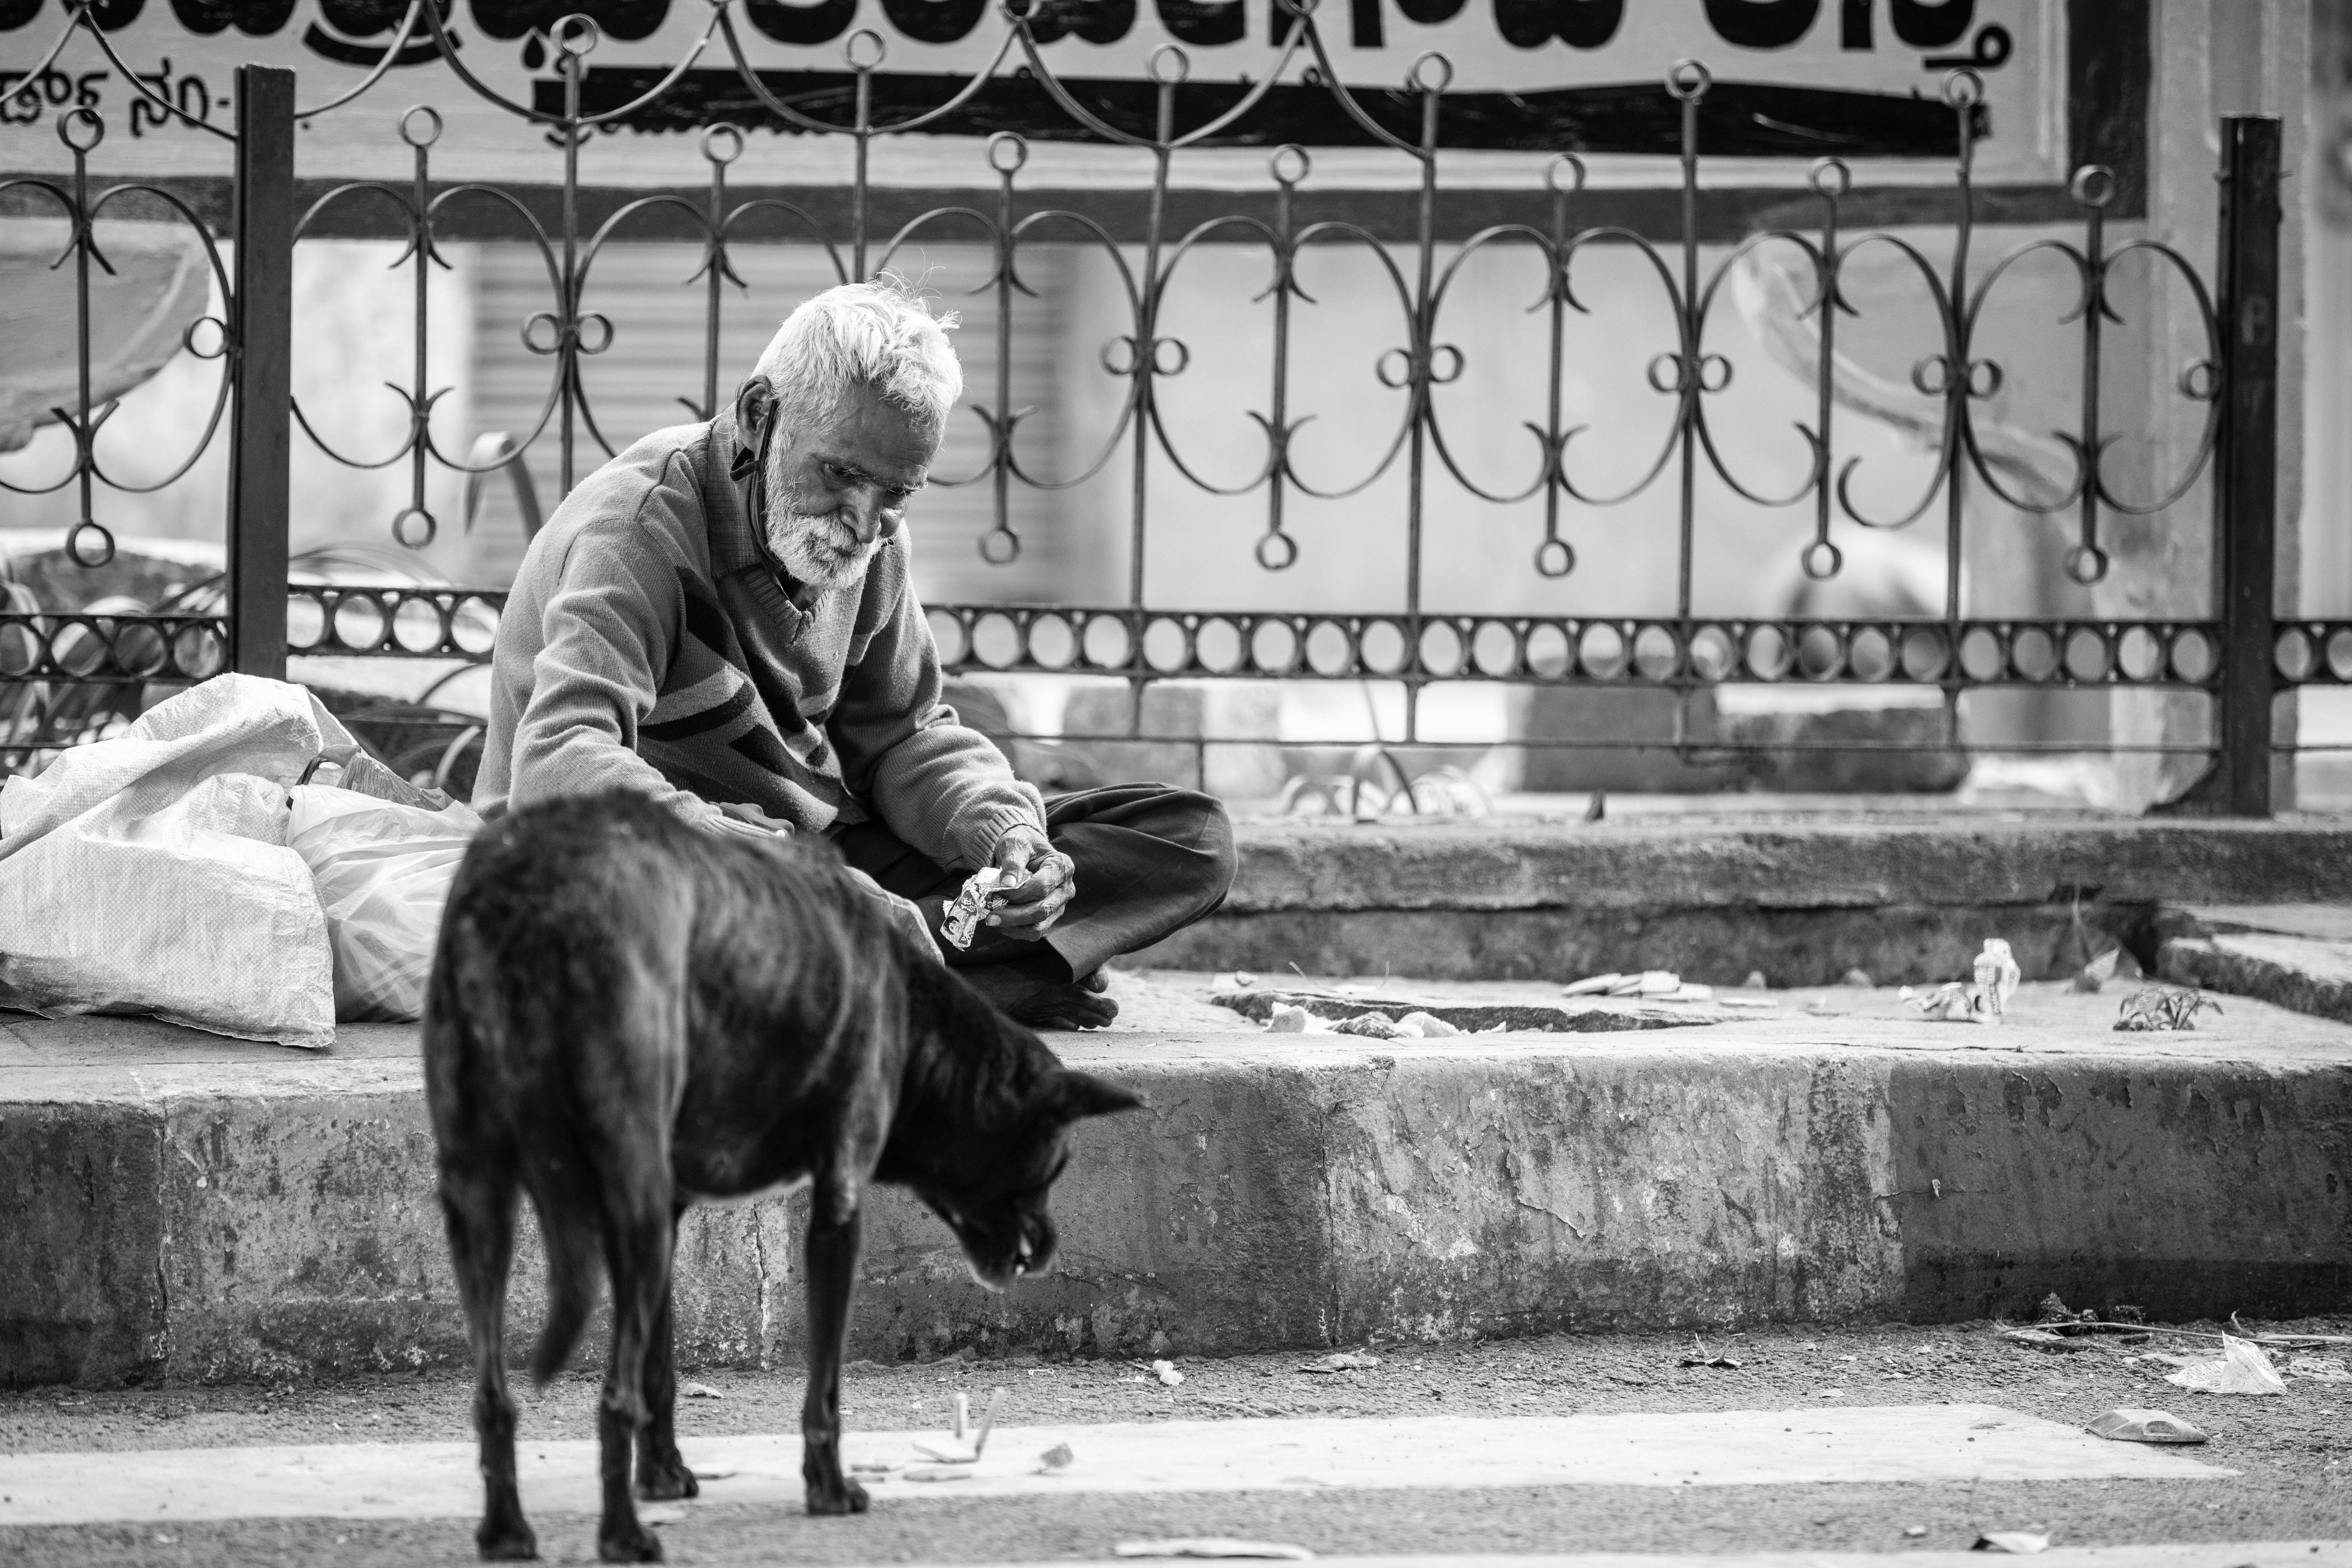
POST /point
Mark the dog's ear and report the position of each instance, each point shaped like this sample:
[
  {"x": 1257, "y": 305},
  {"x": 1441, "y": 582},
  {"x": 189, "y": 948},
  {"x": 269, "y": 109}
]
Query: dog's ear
[{"x": 1073, "y": 1096}]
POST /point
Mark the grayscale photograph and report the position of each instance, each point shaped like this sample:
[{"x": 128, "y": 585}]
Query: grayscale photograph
[{"x": 987, "y": 784}]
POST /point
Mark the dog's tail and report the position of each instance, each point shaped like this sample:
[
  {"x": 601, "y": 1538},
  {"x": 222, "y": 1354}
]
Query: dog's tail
[{"x": 574, "y": 1268}]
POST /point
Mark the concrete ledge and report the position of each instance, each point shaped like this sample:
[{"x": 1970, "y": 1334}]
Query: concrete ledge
[
  {"x": 1907, "y": 899},
  {"x": 2295, "y": 956},
  {"x": 1773, "y": 863},
  {"x": 185, "y": 1208}
]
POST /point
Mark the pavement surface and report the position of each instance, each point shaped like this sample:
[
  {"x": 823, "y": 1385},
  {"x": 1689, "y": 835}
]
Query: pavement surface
[{"x": 1817, "y": 1443}]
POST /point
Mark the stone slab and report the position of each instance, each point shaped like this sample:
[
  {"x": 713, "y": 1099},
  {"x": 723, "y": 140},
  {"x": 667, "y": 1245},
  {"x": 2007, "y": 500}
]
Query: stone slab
[
  {"x": 2297, "y": 957},
  {"x": 1907, "y": 897},
  {"x": 204, "y": 1208},
  {"x": 1786, "y": 863}
]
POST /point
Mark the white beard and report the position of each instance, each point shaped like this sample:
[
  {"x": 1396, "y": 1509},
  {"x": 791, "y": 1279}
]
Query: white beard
[{"x": 821, "y": 551}]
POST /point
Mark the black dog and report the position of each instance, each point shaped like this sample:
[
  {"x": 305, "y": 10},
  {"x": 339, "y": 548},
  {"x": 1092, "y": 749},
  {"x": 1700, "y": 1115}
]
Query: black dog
[{"x": 626, "y": 1015}]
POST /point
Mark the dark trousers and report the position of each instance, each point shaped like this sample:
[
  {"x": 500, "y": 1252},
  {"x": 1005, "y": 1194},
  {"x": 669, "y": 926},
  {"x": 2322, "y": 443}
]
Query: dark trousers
[{"x": 1150, "y": 860}]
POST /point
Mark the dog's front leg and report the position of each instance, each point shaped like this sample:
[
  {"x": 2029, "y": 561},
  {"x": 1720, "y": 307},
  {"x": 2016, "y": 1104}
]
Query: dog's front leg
[{"x": 833, "y": 1241}]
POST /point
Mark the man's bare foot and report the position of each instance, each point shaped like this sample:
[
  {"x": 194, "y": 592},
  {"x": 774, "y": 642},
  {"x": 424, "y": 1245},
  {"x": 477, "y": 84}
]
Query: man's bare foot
[{"x": 1043, "y": 1003}]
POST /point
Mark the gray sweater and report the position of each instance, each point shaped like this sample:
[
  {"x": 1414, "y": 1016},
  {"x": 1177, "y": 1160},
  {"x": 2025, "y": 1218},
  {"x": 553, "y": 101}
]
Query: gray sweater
[{"x": 650, "y": 644}]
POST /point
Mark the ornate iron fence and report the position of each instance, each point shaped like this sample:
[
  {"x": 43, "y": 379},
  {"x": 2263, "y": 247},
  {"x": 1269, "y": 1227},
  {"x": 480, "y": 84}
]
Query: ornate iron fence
[{"x": 2233, "y": 655}]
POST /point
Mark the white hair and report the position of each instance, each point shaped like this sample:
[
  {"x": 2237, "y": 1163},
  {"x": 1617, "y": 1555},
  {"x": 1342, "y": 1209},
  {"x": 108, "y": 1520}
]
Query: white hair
[{"x": 879, "y": 333}]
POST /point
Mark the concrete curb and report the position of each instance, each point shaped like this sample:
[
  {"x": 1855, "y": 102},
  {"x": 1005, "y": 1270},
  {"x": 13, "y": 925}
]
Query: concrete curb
[
  {"x": 1906, "y": 901},
  {"x": 261, "y": 1216},
  {"x": 2244, "y": 953}
]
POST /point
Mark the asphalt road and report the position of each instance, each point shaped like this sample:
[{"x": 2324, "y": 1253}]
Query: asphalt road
[{"x": 2293, "y": 1459}]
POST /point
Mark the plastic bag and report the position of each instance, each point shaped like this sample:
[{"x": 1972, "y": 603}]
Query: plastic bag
[
  {"x": 2242, "y": 1369},
  {"x": 383, "y": 872},
  {"x": 149, "y": 872}
]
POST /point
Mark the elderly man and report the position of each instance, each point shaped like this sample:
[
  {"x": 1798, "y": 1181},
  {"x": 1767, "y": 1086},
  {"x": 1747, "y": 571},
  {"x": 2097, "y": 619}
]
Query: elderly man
[{"x": 724, "y": 618}]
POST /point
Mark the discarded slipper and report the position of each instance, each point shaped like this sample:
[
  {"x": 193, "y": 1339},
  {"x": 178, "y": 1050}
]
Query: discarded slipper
[
  {"x": 2018, "y": 1542},
  {"x": 2130, "y": 1424}
]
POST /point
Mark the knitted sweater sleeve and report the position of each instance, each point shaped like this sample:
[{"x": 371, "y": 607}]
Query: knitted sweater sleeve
[
  {"x": 942, "y": 788},
  {"x": 607, "y": 631}
]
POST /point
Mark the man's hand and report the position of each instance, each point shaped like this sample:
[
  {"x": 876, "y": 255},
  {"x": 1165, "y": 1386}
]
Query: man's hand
[{"x": 1045, "y": 880}]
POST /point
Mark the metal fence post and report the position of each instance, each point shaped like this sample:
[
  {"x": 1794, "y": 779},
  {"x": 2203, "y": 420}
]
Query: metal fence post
[
  {"x": 261, "y": 423},
  {"x": 2245, "y": 473}
]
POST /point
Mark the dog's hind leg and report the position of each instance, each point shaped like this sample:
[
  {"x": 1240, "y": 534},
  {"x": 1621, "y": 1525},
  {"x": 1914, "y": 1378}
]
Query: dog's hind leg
[
  {"x": 661, "y": 1471},
  {"x": 479, "y": 1206},
  {"x": 832, "y": 1244},
  {"x": 637, "y": 1240}
]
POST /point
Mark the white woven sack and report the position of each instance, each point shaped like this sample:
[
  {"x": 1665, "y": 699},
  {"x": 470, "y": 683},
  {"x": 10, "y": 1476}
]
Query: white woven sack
[
  {"x": 383, "y": 872},
  {"x": 149, "y": 872}
]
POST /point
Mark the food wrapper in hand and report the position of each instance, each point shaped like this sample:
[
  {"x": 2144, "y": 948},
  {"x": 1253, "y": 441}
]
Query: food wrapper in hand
[{"x": 982, "y": 892}]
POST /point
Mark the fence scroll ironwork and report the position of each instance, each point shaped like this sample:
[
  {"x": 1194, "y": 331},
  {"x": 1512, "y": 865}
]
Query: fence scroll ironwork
[{"x": 1685, "y": 652}]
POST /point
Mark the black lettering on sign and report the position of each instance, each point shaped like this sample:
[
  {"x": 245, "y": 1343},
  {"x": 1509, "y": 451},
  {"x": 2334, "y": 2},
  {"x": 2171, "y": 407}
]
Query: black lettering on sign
[
  {"x": 1429, "y": 12},
  {"x": 1853, "y": 25},
  {"x": 1932, "y": 24},
  {"x": 618, "y": 18},
  {"x": 257, "y": 17},
  {"x": 15, "y": 14},
  {"x": 1365, "y": 28},
  {"x": 1095, "y": 21},
  {"x": 1761, "y": 24},
  {"x": 1204, "y": 21},
  {"x": 935, "y": 21},
  {"x": 789, "y": 24},
  {"x": 1578, "y": 23}
]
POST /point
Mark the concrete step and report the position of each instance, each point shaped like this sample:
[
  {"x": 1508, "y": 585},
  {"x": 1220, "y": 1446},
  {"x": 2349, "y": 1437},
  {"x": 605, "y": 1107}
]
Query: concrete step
[
  {"x": 1908, "y": 898},
  {"x": 184, "y": 1207},
  {"x": 2295, "y": 955}
]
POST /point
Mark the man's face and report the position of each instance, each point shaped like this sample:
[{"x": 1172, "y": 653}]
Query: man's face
[{"x": 836, "y": 481}]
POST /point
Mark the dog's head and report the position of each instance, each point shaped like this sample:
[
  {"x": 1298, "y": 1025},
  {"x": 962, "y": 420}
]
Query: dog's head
[{"x": 1001, "y": 1217}]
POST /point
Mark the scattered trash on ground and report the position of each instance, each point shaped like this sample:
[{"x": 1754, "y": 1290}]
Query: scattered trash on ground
[
  {"x": 1699, "y": 1357},
  {"x": 1431, "y": 1025},
  {"x": 1982, "y": 999},
  {"x": 1055, "y": 1460},
  {"x": 1951, "y": 1003},
  {"x": 699, "y": 1391},
  {"x": 2099, "y": 971},
  {"x": 1734, "y": 999},
  {"x": 856, "y": 1467},
  {"x": 2047, "y": 1340},
  {"x": 2018, "y": 1542},
  {"x": 1648, "y": 985},
  {"x": 1165, "y": 1371},
  {"x": 2320, "y": 1368},
  {"x": 2296, "y": 1341},
  {"x": 1375, "y": 1026},
  {"x": 1755, "y": 981},
  {"x": 1290, "y": 1020},
  {"x": 1858, "y": 978},
  {"x": 2130, "y": 1424},
  {"x": 1342, "y": 1360},
  {"x": 1213, "y": 1546},
  {"x": 1915, "y": 1532},
  {"x": 1997, "y": 978},
  {"x": 2241, "y": 1369},
  {"x": 2055, "y": 1317},
  {"x": 979, "y": 1439},
  {"x": 939, "y": 1473},
  {"x": 2161, "y": 1009}
]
